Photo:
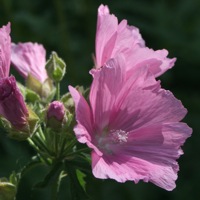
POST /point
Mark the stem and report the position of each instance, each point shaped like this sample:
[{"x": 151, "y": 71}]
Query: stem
[
  {"x": 78, "y": 151},
  {"x": 40, "y": 131},
  {"x": 54, "y": 190},
  {"x": 57, "y": 90},
  {"x": 56, "y": 180},
  {"x": 37, "y": 149},
  {"x": 56, "y": 145}
]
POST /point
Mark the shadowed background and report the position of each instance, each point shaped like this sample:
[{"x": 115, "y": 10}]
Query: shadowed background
[{"x": 68, "y": 27}]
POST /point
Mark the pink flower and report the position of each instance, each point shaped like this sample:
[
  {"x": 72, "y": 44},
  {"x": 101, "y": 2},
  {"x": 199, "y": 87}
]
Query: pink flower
[
  {"x": 5, "y": 45},
  {"x": 56, "y": 110},
  {"x": 113, "y": 38},
  {"x": 132, "y": 126},
  {"x": 29, "y": 58},
  {"x": 12, "y": 105}
]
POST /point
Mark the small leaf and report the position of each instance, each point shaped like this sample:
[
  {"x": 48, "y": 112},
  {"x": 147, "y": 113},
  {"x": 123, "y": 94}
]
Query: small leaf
[{"x": 81, "y": 176}]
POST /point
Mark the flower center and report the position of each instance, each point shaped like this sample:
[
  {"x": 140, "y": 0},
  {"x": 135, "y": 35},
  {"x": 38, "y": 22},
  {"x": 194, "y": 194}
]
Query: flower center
[{"x": 110, "y": 139}]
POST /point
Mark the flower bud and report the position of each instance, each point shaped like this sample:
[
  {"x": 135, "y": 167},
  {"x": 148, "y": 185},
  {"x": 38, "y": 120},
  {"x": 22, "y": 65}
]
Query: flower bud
[
  {"x": 7, "y": 190},
  {"x": 18, "y": 119},
  {"x": 55, "y": 115},
  {"x": 46, "y": 90},
  {"x": 55, "y": 67},
  {"x": 12, "y": 105}
]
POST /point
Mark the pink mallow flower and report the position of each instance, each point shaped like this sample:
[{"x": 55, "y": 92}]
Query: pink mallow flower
[
  {"x": 113, "y": 38},
  {"x": 12, "y": 105},
  {"x": 132, "y": 126},
  {"x": 29, "y": 58},
  {"x": 5, "y": 45}
]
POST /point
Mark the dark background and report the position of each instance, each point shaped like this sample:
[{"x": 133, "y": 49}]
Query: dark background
[{"x": 68, "y": 27}]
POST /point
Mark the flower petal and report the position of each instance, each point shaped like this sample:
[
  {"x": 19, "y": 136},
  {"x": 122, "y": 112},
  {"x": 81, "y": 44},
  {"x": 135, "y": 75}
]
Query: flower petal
[
  {"x": 5, "y": 45},
  {"x": 113, "y": 38},
  {"x": 83, "y": 115},
  {"x": 141, "y": 102},
  {"x": 104, "y": 90},
  {"x": 106, "y": 27},
  {"x": 30, "y": 58},
  {"x": 156, "y": 61},
  {"x": 122, "y": 168}
]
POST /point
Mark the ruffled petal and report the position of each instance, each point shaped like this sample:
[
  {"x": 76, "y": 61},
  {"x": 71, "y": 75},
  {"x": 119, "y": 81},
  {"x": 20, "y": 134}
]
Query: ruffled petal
[
  {"x": 123, "y": 168},
  {"x": 156, "y": 62},
  {"x": 113, "y": 38}
]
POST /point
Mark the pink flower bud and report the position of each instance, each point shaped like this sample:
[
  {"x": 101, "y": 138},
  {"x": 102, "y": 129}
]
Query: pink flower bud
[
  {"x": 56, "y": 110},
  {"x": 12, "y": 105}
]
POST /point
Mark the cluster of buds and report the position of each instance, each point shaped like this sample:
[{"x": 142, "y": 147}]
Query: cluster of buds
[{"x": 35, "y": 111}]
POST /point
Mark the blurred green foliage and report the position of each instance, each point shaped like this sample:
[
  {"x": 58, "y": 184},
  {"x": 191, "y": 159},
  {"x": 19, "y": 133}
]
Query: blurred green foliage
[{"x": 68, "y": 27}]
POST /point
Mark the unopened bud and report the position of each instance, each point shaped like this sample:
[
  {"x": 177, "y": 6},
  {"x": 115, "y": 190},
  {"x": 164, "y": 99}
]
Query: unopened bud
[
  {"x": 7, "y": 190},
  {"x": 12, "y": 105},
  {"x": 56, "y": 115},
  {"x": 55, "y": 67},
  {"x": 16, "y": 117}
]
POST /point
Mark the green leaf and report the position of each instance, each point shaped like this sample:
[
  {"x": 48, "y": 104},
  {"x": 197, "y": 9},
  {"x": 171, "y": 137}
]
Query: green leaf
[
  {"x": 81, "y": 176},
  {"x": 76, "y": 188},
  {"x": 52, "y": 175}
]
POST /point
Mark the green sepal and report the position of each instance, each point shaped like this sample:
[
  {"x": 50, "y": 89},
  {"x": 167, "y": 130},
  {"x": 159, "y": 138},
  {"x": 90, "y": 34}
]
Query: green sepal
[
  {"x": 27, "y": 131},
  {"x": 22, "y": 89},
  {"x": 33, "y": 121},
  {"x": 31, "y": 96},
  {"x": 28, "y": 94},
  {"x": 33, "y": 84},
  {"x": 45, "y": 90}
]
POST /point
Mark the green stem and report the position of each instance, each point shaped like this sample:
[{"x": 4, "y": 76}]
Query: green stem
[
  {"x": 40, "y": 131},
  {"x": 57, "y": 90},
  {"x": 56, "y": 144},
  {"x": 54, "y": 190},
  {"x": 78, "y": 151},
  {"x": 34, "y": 144}
]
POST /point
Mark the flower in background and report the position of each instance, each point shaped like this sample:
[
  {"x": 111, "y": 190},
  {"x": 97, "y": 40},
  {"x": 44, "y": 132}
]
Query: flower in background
[
  {"x": 113, "y": 38},
  {"x": 132, "y": 125},
  {"x": 5, "y": 45},
  {"x": 29, "y": 59}
]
